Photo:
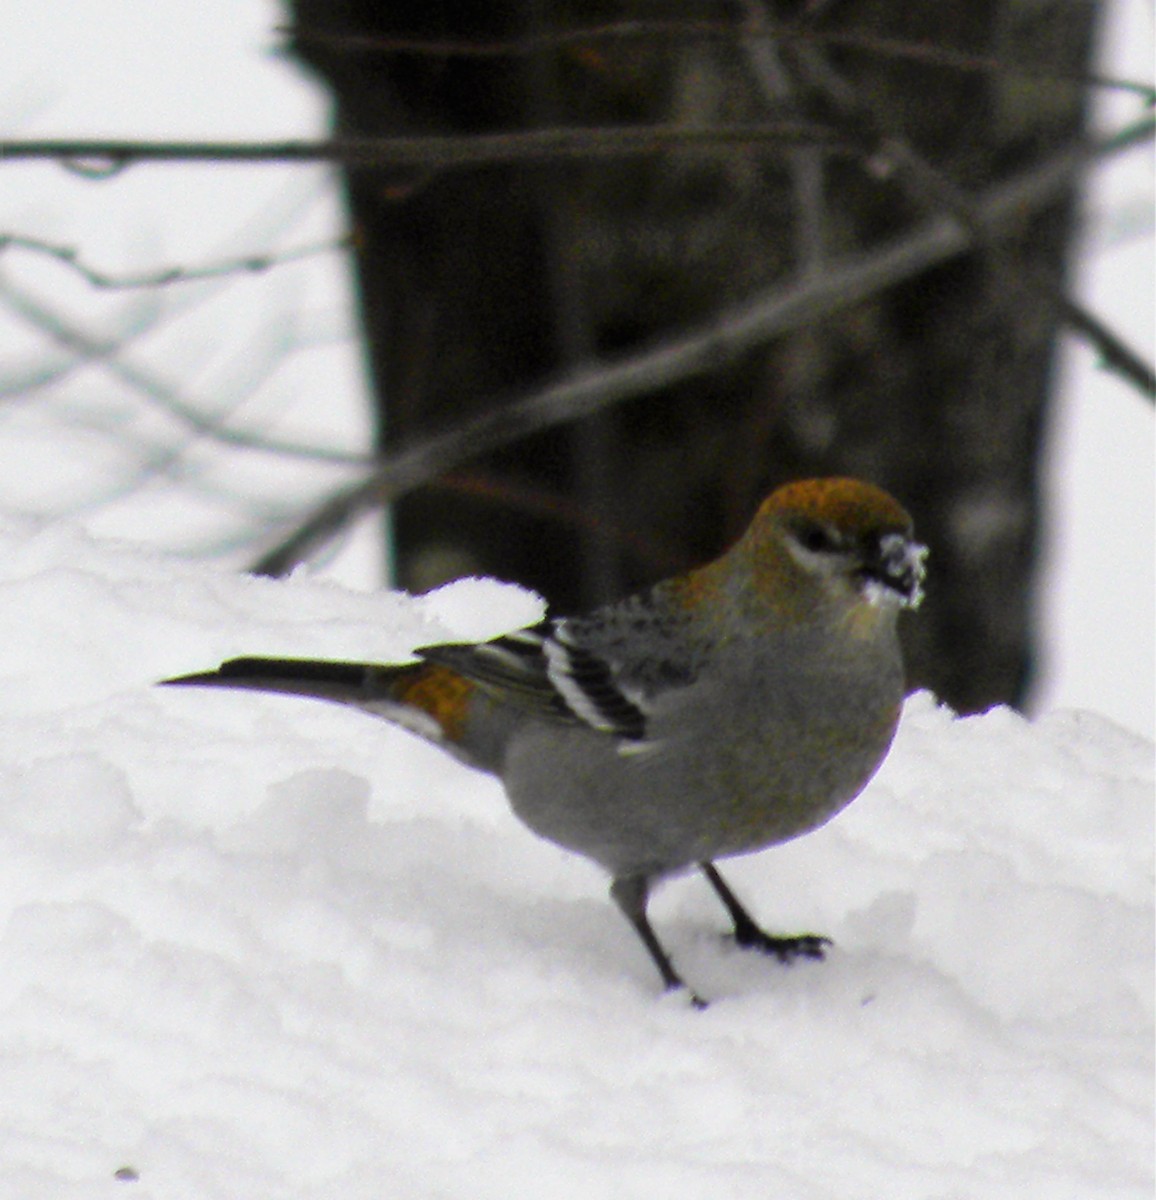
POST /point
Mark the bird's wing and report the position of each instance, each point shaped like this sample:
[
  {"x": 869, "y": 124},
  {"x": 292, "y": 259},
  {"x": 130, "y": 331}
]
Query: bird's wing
[{"x": 552, "y": 671}]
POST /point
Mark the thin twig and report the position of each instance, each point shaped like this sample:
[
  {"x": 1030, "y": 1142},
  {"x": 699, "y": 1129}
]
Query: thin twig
[
  {"x": 655, "y": 30},
  {"x": 163, "y": 276},
  {"x": 159, "y": 392},
  {"x": 929, "y": 186},
  {"x": 1115, "y": 354},
  {"x": 804, "y": 162}
]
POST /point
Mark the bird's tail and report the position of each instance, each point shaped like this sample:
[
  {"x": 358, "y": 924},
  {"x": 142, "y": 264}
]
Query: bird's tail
[
  {"x": 359, "y": 684},
  {"x": 423, "y": 697}
]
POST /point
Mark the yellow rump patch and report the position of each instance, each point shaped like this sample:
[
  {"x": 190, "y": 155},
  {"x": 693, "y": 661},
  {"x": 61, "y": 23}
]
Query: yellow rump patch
[{"x": 441, "y": 693}]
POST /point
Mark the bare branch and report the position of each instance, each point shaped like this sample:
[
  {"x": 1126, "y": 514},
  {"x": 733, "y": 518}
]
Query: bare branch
[
  {"x": 1114, "y": 352},
  {"x": 157, "y": 390},
  {"x": 700, "y": 350},
  {"x": 926, "y": 184},
  {"x": 163, "y": 276},
  {"x": 101, "y": 158},
  {"x": 750, "y": 31},
  {"x": 805, "y": 162}
]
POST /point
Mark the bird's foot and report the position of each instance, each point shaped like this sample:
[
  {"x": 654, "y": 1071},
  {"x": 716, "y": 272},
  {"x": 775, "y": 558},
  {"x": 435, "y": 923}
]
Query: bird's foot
[
  {"x": 749, "y": 936},
  {"x": 785, "y": 949}
]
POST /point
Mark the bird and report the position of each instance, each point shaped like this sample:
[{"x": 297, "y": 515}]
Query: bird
[{"x": 717, "y": 713}]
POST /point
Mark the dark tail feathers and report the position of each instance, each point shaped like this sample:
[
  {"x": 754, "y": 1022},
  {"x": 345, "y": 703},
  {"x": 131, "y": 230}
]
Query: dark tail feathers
[{"x": 343, "y": 682}]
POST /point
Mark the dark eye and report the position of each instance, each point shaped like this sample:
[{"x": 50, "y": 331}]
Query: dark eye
[{"x": 816, "y": 538}]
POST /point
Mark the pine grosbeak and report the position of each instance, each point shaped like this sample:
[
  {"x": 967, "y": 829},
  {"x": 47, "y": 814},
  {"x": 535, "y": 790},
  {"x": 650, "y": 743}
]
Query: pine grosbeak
[{"x": 718, "y": 713}]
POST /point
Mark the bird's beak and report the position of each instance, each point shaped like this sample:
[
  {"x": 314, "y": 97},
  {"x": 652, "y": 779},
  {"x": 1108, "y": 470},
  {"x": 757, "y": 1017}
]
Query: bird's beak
[{"x": 899, "y": 566}]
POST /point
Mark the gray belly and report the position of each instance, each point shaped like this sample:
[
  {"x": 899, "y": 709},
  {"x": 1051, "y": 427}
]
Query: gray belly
[{"x": 662, "y": 807}]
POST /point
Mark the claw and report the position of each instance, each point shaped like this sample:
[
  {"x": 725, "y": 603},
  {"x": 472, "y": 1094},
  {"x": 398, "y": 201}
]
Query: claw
[
  {"x": 785, "y": 949},
  {"x": 749, "y": 936}
]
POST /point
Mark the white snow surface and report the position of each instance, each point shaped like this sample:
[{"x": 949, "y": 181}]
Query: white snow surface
[{"x": 255, "y": 948}]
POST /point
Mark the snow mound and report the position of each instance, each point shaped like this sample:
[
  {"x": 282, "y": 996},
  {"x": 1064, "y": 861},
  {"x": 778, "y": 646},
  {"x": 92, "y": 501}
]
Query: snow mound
[{"x": 260, "y": 947}]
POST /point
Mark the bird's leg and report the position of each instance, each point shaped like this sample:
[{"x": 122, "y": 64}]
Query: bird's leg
[
  {"x": 749, "y": 936},
  {"x": 630, "y": 893}
]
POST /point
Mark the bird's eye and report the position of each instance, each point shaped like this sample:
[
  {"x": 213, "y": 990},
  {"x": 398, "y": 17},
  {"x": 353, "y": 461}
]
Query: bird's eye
[{"x": 816, "y": 538}]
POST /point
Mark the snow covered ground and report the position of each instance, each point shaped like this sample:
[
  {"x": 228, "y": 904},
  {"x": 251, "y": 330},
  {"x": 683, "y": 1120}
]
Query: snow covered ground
[{"x": 255, "y": 948}]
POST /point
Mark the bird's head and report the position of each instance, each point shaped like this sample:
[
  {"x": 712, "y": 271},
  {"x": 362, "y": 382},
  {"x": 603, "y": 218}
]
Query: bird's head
[{"x": 840, "y": 542}]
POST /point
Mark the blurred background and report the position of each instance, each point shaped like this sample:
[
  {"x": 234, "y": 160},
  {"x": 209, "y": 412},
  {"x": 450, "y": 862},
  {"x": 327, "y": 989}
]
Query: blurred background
[{"x": 635, "y": 264}]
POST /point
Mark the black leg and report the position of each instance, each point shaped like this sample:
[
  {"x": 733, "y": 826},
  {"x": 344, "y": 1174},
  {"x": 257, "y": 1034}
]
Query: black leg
[
  {"x": 630, "y": 893},
  {"x": 750, "y": 936}
]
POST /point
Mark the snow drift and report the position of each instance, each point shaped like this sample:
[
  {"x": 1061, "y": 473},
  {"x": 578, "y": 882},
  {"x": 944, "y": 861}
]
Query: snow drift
[{"x": 256, "y": 947}]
